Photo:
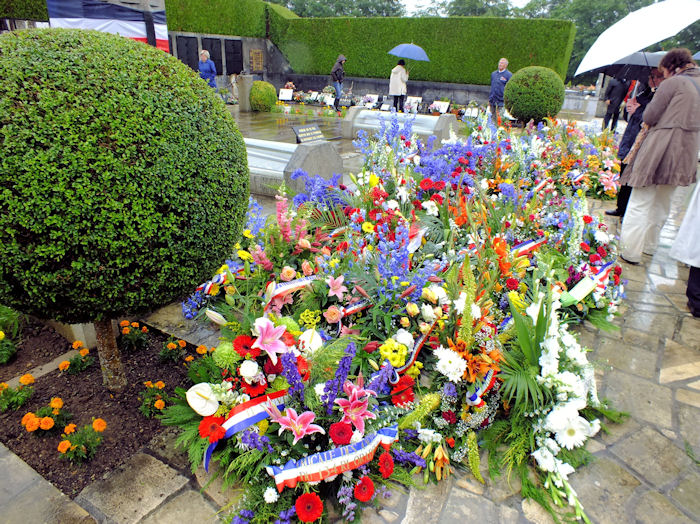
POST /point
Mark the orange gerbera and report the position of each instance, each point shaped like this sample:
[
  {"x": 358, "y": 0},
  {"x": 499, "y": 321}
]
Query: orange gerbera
[
  {"x": 47, "y": 423},
  {"x": 26, "y": 379},
  {"x": 182, "y": 343},
  {"x": 64, "y": 446},
  {"x": 201, "y": 349},
  {"x": 126, "y": 331},
  {"x": 56, "y": 403},
  {"x": 160, "y": 384},
  {"x": 33, "y": 424},
  {"x": 64, "y": 365},
  {"x": 26, "y": 418},
  {"x": 159, "y": 404},
  {"x": 77, "y": 344},
  {"x": 70, "y": 428},
  {"x": 84, "y": 352},
  {"x": 99, "y": 425},
  {"x": 123, "y": 323}
]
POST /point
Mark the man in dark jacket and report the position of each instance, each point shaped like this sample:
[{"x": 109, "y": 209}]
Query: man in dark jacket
[
  {"x": 635, "y": 109},
  {"x": 499, "y": 79},
  {"x": 614, "y": 94},
  {"x": 337, "y": 76}
]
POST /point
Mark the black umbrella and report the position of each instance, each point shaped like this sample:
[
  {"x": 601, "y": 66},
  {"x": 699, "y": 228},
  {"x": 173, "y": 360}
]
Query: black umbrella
[{"x": 636, "y": 66}]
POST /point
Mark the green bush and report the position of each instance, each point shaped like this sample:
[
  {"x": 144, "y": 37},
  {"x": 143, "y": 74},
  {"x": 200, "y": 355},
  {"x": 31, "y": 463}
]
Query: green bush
[
  {"x": 24, "y": 9},
  {"x": 217, "y": 17},
  {"x": 263, "y": 96},
  {"x": 534, "y": 93},
  {"x": 123, "y": 179}
]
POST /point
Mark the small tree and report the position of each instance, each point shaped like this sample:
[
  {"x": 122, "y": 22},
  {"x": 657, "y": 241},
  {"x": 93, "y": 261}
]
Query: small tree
[
  {"x": 123, "y": 180},
  {"x": 534, "y": 93}
]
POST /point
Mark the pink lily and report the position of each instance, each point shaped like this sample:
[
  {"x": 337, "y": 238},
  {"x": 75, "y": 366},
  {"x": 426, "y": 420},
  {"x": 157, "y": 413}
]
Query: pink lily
[
  {"x": 355, "y": 411},
  {"x": 357, "y": 391},
  {"x": 269, "y": 338},
  {"x": 299, "y": 425},
  {"x": 336, "y": 286}
]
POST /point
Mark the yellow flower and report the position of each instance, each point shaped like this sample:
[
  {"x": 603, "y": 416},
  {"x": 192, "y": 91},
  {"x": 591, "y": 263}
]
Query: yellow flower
[
  {"x": 46, "y": 423},
  {"x": 244, "y": 255},
  {"x": 144, "y": 329},
  {"x": 56, "y": 403},
  {"x": 126, "y": 331},
  {"x": 248, "y": 234},
  {"x": 214, "y": 290},
  {"x": 414, "y": 370},
  {"x": 333, "y": 262},
  {"x": 412, "y": 309},
  {"x": 171, "y": 345},
  {"x": 26, "y": 379},
  {"x": 373, "y": 180},
  {"x": 65, "y": 445},
  {"x": 123, "y": 323},
  {"x": 368, "y": 227},
  {"x": 405, "y": 322},
  {"x": 148, "y": 384},
  {"x": 181, "y": 343},
  {"x": 189, "y": 358},
  {"x": 27, "y": 417},
  {"x": 2, "y": 335},
  {"x": 33, "y": 424}
]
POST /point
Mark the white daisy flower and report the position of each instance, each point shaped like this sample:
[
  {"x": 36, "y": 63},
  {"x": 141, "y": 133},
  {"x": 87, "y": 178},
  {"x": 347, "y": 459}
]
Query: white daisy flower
[{"x": 574, "y": 433}]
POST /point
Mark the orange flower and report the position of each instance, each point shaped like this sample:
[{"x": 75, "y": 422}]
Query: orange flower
[
  {"x": 26, "y": 379},
  {"x": 171, "y": 345},
  {"x": 212, "y": 349},
  {"x": 148, "y": 384},
  {"x": 182, "y": 343},
  {"x": 126, "y": 331},
  {"x": 3, "y": 386},
  {"x": 70, "y": 428},
  {"x": 56, "y": 403},
  {"x": 123, "y": 323},
  {"x": 144, "y": 329},
  {"x": 159, "y": 404},
  {"x": 99, "y": 425},
  {"x": 55, "y": 411},
  {"x": 134, "y": 324},
  {"x": 189, "y": 358},
  {"x": 64, "y": 365},
  {"x": 201, "y": 349},
  {"x": 33, "y": 424},
  {"x": 26, "y": 418},
  {"x": 160, "y": 384},
  {"x": 84, "y": 352},
  {"x": 64, "y": 446},
  {"x": 46, "y": 423},
  {"x": 77, "y": 344}
]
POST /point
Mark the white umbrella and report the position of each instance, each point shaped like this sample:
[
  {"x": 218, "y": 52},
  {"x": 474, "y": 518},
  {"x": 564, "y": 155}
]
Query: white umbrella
[{"x": 639, "y": 30}]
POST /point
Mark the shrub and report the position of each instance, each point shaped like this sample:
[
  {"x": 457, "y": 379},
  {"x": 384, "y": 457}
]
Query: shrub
[
  {"x": 263, "y": 96},
  {"x": 7, "y": 348},
  {"x": 14, "y": 398},
  {"x": 118, "y": 169},
  {"x": 534, "y": 93}
]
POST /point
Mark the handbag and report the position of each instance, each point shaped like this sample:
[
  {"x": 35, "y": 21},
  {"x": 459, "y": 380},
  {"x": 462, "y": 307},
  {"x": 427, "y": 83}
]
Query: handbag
[{"x": 643, "y": 132}]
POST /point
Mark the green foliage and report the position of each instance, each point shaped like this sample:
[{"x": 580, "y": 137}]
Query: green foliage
[
  {"x": 152, "y": 399},
  {"x": 219, "y": 17},
  {"x": 204, "y": 370},
  {"x": 82, "y": 444},
  {"x": 173, "y": 350},
  {"x": 263, "y": 96},
  {"x": 79, "y": 363},
  {"x": 328, "y": 8},
  {"x": 534, "y": 93},
  {"x": 14, "y": 398},
  {"x": 112, "y": 192},
  {"x": 24, "y": 9},
  {"x": 133, "y": 337},
  {"x": 10, "y": 321},
  {"x": 7, "y": 350}
]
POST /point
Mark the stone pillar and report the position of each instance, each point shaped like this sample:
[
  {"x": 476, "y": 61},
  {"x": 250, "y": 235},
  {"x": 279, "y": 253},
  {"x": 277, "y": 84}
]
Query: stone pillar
[{"x": 245, "y": 84}]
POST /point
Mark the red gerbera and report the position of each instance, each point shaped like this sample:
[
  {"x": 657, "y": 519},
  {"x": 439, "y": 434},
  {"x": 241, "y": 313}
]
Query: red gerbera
[
  {"x": 426, "y": 184},
  {"x": 309, "y": 507},
  {"x": 254, "y": 390},
  {"x": 512, "y": 284},
  {"x": 303, "y": 368},
  {"x": 210, "y": 427},
  {"x": 585, "y": 247},
  {"x": 402, "y": 392},
  {"x": 386, "y": 465},
  {"x": 364, "y": 490},
  {"x": 288, "y": 339},
  {"x": 340, "y": 433},
  {"x": 243, "y": 344}
]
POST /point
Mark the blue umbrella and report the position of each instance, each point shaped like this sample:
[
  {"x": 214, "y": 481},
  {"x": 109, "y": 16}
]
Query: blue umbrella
[
  {"x": 411, "y": 51},
  {"x": 696, "y": 55}
]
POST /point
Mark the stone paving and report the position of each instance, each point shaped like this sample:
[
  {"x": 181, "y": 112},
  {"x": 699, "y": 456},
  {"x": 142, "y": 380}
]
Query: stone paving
[{"x": 643, "y": 470}]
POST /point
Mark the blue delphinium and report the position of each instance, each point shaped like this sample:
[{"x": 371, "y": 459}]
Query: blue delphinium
[
  {"x": 256, "y": 218},
  {"x": 345, "y": 497},
  {"x": 291, "y": 373},
  {"x": 407, "y": 458},
  {"x": 243, "y": 517},
  {"x": 192, "y": 305},
  {"x": 286, "y": 516},
  {"x": 333, "y": 386},
  {"x": 253, "y": 440},
  {"x": 317, "y": 189}
]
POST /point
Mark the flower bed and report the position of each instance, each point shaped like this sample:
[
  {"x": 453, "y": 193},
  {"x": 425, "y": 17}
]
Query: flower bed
[{"x": 383, "y": 333}]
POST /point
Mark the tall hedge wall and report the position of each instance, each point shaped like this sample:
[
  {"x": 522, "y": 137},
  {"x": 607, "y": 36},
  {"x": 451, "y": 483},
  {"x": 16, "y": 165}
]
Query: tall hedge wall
[
  {"x": 24, "y": 9},
  {"x": 219, "y": 17},
  {"x": 461, "y": 49}
]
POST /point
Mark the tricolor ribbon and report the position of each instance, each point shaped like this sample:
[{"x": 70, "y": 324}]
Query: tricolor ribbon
[
  {"x": 586, "y": 286},
  {"x": 474, "y": 399},
  {"x": 276, "y": 290},
  {"x": 576, "y": 177},
  {"x": 219, "y": 279},
  {"x": 319, "y": 466},
  {"x": 245, "y": 415},
  {"x": 541, "y": 185},
  {"x": 526, "y": 247}
]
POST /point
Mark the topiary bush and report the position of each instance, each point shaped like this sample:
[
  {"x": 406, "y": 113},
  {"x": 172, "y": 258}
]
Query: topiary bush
[
  {"x": 123, "y": 179},
  {"x": 534, "y": 93},
  {"x": 263, "y": 96}
]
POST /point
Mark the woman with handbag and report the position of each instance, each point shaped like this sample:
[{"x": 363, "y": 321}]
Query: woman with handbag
[{"x": 666, "y": 159}]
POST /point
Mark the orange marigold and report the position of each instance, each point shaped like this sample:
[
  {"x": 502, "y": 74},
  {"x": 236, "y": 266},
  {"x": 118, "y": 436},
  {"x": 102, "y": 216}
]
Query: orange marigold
[
  {"x": 26, "y": 379},
  {"x": 64, "y": 365},
  {"x": 160, "y": 384},
  {"x": 134, "y": 324},
  {"x": 64, "y": 446},
  {"x": 144, "y": 329},
  {"x": 171, "y": 345},
  {"x": 77, "y": 344},
  {"x": 70, "y": 428},
  {"x": 202, "y": 349},
  {"x": 159, "y": 404},
  {"x": 3, "y": 386},
  {"x": 46, "y": 423},
  {"x": 123, "y": 323},
  {"x": 56, "y": 403},
  {"x": 126, "y": 331},
  {"x": 148, "y": 384},
  {"x": 26, "y": 418},
  {"x": 182, "y": 343},
  {"x": 33, "y": 424},
  {"x": 55, "y": 411},
  {"x": 189, "y": 358},
  {"x": 99, "y": 425},
  {"x": 84, "y": 352}
]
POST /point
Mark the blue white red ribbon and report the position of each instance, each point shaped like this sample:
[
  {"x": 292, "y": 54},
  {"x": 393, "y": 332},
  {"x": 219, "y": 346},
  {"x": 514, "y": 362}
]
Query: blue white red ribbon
[
  {"x": 284, "y": 288},
  {"x": 526, "y": 247},
  {"x": 474, "y": 399},
  {"x": 576, "y": 176},
  {"x": 319, "y": 466},
  {"x": 219, "y": 279},
  {"x": 587, "y": 285}
]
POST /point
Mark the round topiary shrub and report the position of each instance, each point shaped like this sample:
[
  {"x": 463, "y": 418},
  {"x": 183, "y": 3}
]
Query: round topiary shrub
[
  {"x": 263, "y": 96},
  {"x": 123, "y": 179},
  {"x": 534, "y": 93}
]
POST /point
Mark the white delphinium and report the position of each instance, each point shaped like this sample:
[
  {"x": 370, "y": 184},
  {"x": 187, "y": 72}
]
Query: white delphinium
[{"x": 450, "y": 364}]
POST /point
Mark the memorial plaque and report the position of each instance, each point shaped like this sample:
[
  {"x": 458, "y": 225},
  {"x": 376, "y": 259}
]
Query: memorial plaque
[
  {"x": 385, "y": 107},
  {"x": 256, "y": 60},
  {"x": 441, "y": 106},
  {"x": 345, "y": 101},
  {"x": 309, "y": 133},
  {"x": 286, "y": 94}
]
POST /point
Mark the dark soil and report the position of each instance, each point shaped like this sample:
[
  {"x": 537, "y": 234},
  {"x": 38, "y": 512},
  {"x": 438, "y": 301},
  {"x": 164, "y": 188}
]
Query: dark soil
[
  {"x": 39, "y": 344},
  {"x": 86, "y": 398}
]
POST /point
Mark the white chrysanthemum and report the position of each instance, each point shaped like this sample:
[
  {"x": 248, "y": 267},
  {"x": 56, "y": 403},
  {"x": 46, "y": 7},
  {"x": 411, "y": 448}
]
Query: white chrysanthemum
[
  {"x": 271, "y": 496},
  {"x": 429, "y": 435},
  {"x": 574, "y": 433},
  {"x": 552, "y": 445},
  {"x": 450, "y": 364},
  {"x": 601, "y": 237},
  {"x": 356, "y": 437},
  {"x": 404, "y": 337}
]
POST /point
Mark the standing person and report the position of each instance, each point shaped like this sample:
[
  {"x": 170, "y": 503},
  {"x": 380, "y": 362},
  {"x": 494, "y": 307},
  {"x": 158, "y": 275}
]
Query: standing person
[
  {"x": 207, "y": 69},
  {"x": 614, "y": 94},
  {"x": 499, "y": 79},
  {"x": 686, "y": 249},
  {"x": 635, "y": 109},
  {"x": 397, "y": 84},
  {"x": 337, "y": 76},
  {"x": 668, "y": 156}
]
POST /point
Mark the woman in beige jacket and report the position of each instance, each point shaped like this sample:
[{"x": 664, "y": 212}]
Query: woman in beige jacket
[
  {"x": 397, "y": 84},
  {"x": 667, "y": 158}
]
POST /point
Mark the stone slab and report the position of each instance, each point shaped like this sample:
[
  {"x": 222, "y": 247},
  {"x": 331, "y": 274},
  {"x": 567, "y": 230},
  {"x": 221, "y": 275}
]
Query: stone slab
[
  {"x": 169, "y": 319},
  {"x": 679, "y": 363},
  {"x": 654, "y": 508},
  {"x": 686, "y": 493},
  {"x": 535, "y": 513},
  {"x": 44, "y": 369},
  {"x": 163, "y": 447},
  {"x": 213, "y": 485},
  {"x": 131, "y": 492},
  {"x": 663, "y": 284},
  {"x": 688, "y": 424},
  {"x": 23, "y": 476},
  {"x": 643, "y": 399},
  {"x": 688, "y": 397},
  {"x": 433, "y": 496},
  {"x": 690, "y": 332},
  {"x": 188, "y": 506},
  {"x": 661, "y": 325},
  {"x": 668, "y": 461},
  {"x": 647, "y": 297},
  {"x": 624, "y": 357}
]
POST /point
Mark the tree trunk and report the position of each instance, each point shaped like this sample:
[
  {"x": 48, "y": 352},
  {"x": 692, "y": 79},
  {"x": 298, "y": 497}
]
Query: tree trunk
[{"x": 113, "y": 376}]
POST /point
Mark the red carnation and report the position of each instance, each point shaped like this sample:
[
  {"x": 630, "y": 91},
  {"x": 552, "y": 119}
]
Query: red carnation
[
  {"x": 616, "y": 279},
  {"x": 601, "y": 251},
  {"x": 243, "y": 344},
  {"x": 386, "y": 465},
  {"x": 371, "y": 347},
  {"x": 341, "y": 433},
  {"x": 402, "y": 392},
  {"x": 449, "y": 417},
  {"x": 585, "y": 247},
  {"x": 618, "y": 270},
  {"x": 273, "y": 369},
  {"x": 595, "y": 257},
  {"x": 587, "y": 219},
  {"x": 512, "y": 284},
  {"x": 364, "y": 490},
  {"x": 426, "y": 184},
  {"x": 210, "y": 427},
  {"x": 309, "y": 507}
]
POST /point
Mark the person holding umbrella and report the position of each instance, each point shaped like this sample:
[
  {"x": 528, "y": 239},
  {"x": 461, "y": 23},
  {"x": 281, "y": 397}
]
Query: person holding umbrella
[
  {"x": 397, "y": 85},
  {"x": 337, "y": 76}
]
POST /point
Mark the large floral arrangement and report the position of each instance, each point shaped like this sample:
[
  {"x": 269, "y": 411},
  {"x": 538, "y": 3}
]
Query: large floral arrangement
[{"x": 370, "y": 331}]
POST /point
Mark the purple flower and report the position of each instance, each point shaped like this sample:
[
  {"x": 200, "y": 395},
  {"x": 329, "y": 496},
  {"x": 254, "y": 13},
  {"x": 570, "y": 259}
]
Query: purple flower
[
  {"x": 330, "y": 391},
  {"x": 406, "y": 458},
  {"x": 449, "y": 390},
  {"x": 380, "y": 379},
  {"x": 291, "y": 373},
  {"x": 253, "y": 440}
]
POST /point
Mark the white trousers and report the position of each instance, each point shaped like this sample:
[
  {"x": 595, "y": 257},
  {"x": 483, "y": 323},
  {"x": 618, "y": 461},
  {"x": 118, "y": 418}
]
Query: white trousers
[{"x": 646, "y": 213}]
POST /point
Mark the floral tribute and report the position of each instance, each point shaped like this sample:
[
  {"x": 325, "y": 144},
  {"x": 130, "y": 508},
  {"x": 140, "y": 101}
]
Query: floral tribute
[{"x": 381, "y": 333}]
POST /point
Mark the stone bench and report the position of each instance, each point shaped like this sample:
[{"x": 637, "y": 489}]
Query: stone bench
[
  {"x": 424, "y": 126},
  {"x": 270, "y": 163}
]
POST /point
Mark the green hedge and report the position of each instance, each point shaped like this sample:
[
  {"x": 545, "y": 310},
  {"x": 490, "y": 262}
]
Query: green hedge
[
  {"x": 24, "y": 9},
  {"x": 218, "y": 17},
  {"x": 461, "y": 49}
]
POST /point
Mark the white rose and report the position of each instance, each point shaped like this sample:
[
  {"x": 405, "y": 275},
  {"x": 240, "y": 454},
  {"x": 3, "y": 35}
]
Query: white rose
[
  {"x": 404, "y": 337},
  {"x": 248, "y": 370},
  {"x": 430, "y": 208},
  {"x": 427, "y": 312}
]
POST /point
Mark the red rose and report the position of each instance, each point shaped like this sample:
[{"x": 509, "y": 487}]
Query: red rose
[
  {"x": 309, "y": 507},
  {"x": 618, "y": 270},
  {"x": 587, "y": 219},
  {"x": 601, "y": 251},
  {"x": 585, "y": 247},
  {"x": 371, "y": 347},
  {"x": 426, "y": 184},
  {"x": 340, "y": 433},
  {"x": 364, "y": 490},
  {"x": 407, "y": 143},
  {"x": 449, "y": 417},
  {"x": 512, "y": 284},
  {"x": 616, "y": 279},
  {"x": 210, "y": 427},
  {"x": 243, "y": 346},
  {"x": 595, "y": 257},
  {"x": 386, "y": 465}
]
